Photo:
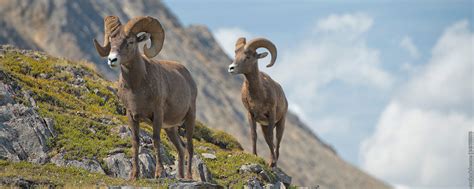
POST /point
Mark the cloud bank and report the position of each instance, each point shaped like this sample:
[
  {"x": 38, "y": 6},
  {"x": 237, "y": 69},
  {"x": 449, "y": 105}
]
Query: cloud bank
[{"x": 421, "y": 136}]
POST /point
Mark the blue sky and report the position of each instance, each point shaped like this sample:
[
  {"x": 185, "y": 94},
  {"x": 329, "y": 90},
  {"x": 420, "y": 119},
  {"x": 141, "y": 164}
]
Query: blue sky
[{"x": 372, "y": 78}]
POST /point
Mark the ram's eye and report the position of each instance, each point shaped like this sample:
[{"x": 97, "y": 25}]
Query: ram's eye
[{"x": 130, "y": 42}]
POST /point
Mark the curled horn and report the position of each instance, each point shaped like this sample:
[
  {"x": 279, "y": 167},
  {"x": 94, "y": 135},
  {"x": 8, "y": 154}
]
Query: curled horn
[
  {"x": 240, "y": 44},
  {"x": 111, "y": 24},
  {"x": 265, "y": 43},
  {"x": 149, "y": 25}
]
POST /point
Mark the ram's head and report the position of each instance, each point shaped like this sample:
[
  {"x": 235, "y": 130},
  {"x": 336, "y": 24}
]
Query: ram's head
[
  {"x": 246, "y": 56},
  {"x": 121, "y": 41}
]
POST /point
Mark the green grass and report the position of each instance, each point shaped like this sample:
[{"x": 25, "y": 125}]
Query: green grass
[
  {"x": 217, "y": 137},
  {"x": 75, "y": 109},
  {"x": 50, "y": 174}
]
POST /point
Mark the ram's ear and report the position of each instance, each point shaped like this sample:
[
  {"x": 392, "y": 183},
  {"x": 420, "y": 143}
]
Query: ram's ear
[
  {"x": 262, "y": 55},
  {"x": 143, "y": 37}
]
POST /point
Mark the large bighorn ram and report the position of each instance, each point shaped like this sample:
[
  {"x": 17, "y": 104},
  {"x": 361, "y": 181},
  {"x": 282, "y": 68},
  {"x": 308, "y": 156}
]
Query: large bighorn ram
[
  {"x": 263, "y": 98},
  {"x": 161, "y": 92}
]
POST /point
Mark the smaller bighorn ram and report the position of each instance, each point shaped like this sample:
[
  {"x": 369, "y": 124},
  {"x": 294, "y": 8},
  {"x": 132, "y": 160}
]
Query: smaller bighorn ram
[
  {"x": 162, "y": 93},
  {"x": 263, "y": 98}
]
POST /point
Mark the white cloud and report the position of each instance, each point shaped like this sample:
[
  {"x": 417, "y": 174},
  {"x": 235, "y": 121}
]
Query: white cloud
[
  {"x": 448, "y": 78},
  {"x": 421, "y": 136},
  {"x": 228, "y": 36},
  {"x": 347, "y": 23},
  {"x": 411, "y": 48}
]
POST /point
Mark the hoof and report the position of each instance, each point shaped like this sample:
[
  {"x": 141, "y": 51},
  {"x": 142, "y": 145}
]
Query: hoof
[
  {"x": 189, "y": 177},
  {"x": 272, "y": 164},
  {"x": 161, "y": 175},
  {"x": 133, "y": 178}
]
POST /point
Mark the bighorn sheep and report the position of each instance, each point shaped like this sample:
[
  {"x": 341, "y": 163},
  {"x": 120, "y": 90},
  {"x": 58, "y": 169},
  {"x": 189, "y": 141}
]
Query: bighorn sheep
[
  {"x": 263, "y": 98},
  {"x": 162, "y": 93}
]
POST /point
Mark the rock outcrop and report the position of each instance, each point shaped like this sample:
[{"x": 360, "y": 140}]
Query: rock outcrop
[{"x": 24, "y": 135}]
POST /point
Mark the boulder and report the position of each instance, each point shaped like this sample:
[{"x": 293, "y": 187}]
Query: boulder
[
  {"x": 193, "y": 184},
  {"x": 253, "y": 183},
  {"x": 282, "y": 176},
  {"x": 254, "y": 168},
  {"x": 15, "y": 182},
  {"x": 91, "y": 165},
  {"x": 24, "y": 134},
  {"x": 277, "y": 185},
  {"x": 200, "y": 170},
  {"x": 5, "y": 95},
  {"x": 118, "y": 165}
]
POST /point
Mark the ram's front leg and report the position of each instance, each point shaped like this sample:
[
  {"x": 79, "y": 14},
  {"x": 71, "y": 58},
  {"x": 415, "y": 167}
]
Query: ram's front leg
[
  {"x": 268, "y": 134},
  {"x": 253, "y": 132},
  {"x": 134, "y": 127},
  {"x": 157, "y": 123}
]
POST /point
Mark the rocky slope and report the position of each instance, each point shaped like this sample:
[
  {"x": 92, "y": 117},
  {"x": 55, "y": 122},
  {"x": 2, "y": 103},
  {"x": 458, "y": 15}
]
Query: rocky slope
[
  {"x": 65, "y": 28},
  {"x": 61, "y": 114}
]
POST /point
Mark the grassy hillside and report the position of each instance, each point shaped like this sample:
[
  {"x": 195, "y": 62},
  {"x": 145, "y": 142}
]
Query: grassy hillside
[{"x": 85, "y": 110}]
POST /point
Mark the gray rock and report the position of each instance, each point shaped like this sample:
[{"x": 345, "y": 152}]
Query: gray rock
[
  {"x": 124, "y": 132},
  {"x": 44, "y": 75},
  {"x": 118, "y": 165},
  {"x": 5, "y": 94},
  {"x": 147, "y": 165},
  {"x": 277, "y": 185},
  {"x": 23, "y": 133},
  {"x": 50, "y": 124},
  {"x": 19, "y": 182},
  {"x": 253, "y": 183},
  {"x": 88, "y": 164},
  {"x": 200, "y": 170},
  {"x": 208, "y": 156},
  {"x": 266, "y": 176},
  {"x": 282, "y": 176},
  {"x": 254, "y": 168},
  {"x": 193, "y": 184},
  {"x": 127, "y": 187}
]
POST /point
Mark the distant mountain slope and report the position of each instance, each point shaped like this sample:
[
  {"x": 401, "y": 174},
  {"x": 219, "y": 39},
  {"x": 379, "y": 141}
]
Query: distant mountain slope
[{"x": 66, "y": 28}]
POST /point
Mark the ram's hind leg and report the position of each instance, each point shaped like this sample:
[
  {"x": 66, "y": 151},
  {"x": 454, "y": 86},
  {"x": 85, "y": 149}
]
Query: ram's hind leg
[
  {"x": 280, "y": 128},
  {"x": 268, "y": 135},
  {"x": 189, "y": 124}
]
